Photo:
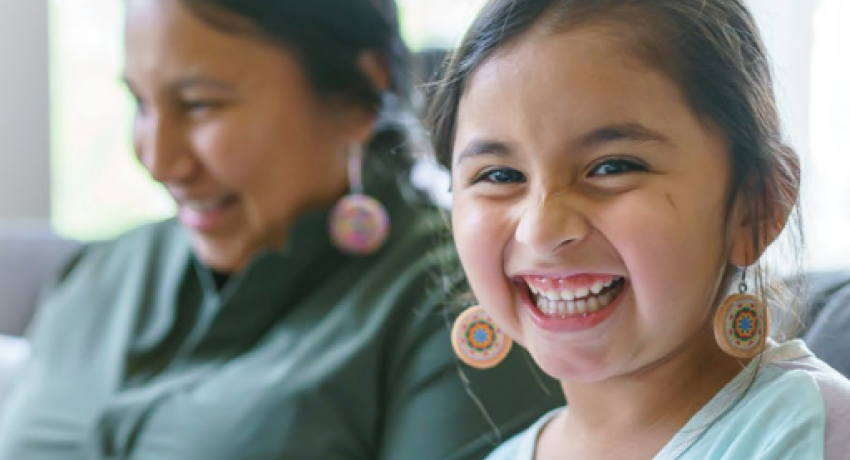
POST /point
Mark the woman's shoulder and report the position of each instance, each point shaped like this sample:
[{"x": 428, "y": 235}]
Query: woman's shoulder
[
  {"x": 102, "y": 270},
  {"x": 139, "y": 246},
  {"x": 144, "y": 238}
]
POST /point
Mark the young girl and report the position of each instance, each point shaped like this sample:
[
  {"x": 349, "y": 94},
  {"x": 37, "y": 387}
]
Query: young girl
[{"x": 618, "y": 171}]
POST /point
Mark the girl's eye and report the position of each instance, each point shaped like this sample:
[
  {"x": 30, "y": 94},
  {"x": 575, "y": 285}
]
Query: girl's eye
[
  {"x": 617, "y": 166},
  {"x": 500, "y": 176}
]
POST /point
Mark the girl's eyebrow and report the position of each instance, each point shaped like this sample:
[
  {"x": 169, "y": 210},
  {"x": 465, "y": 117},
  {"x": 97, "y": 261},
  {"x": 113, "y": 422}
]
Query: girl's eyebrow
[
  {"x": 628, "y": 132},
  {"x": 478, "y": 147},
  {"x": 633, "y": 132}
]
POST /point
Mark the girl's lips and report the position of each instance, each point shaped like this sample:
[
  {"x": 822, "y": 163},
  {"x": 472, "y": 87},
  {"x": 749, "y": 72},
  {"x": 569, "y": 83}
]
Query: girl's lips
[{"x": 573, "y": 323}]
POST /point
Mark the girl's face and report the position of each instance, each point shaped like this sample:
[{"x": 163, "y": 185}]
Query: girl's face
[
  {"x": 589, "y": 205},
  {"x": 231, "y": 126}
]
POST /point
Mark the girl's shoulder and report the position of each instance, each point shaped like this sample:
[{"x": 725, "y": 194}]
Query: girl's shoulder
[
  {"x": 802, "y": 373},
  {"x": 786, "y": 405},
  {"x": 523, "y": 445}
]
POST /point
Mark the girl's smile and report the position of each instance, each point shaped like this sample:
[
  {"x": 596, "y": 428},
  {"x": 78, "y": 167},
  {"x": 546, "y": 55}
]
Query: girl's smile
[{"x": 573, "y": 303}]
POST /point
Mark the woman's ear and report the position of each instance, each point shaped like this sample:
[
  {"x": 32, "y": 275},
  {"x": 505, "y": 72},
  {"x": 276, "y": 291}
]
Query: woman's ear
[
  {"x": 376, "y": 67},
  {"x": 362, "y": 119},
  {"x": 758, "y": 221}
]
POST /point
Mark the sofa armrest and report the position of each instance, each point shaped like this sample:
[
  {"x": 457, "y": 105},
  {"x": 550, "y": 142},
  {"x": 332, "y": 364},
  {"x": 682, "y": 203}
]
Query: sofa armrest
[
  {"x": 828, "y": 327},
  {"x": 30, "y": 253}
]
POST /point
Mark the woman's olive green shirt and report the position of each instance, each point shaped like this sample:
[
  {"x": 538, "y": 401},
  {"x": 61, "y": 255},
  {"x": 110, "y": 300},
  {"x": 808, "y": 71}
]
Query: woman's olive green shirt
[{"x": 306, "y": 354}]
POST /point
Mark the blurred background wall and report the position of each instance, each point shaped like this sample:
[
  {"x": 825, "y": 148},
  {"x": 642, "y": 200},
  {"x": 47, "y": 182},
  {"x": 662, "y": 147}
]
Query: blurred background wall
[{"x": 24, "y": 110}]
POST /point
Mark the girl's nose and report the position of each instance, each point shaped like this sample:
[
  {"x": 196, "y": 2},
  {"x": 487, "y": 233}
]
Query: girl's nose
[{"x": 551, "y": 223}]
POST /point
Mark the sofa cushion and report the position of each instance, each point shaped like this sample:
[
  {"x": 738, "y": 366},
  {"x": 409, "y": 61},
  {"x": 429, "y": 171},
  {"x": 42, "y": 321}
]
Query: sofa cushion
[
  {"x": 30, "y": 252},
  {"x": 828, "y": 331}
]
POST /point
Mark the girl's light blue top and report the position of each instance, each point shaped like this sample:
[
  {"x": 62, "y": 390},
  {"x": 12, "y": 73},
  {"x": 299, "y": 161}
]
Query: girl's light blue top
[{"x": 797, "y": 408}]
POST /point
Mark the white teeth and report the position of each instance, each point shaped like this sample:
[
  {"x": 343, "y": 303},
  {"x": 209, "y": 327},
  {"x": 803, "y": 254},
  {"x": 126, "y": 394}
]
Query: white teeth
[
  {"x": 205, "y": 205},
  {"x": 597, "y": 288},
  {"x": 563, "y": 304},
  {"x": 592, "y": 305},
  {"x": 581, "y": 306},
  {"x": 566, "y": 308}
]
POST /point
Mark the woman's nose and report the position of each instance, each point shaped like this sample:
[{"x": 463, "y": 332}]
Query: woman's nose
[
  {"x": 551, "y": 223},
  {"x": 162, "y": 150}
]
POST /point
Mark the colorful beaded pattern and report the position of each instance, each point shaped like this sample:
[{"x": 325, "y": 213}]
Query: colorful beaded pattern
[
  {"x": 359, "y": 224},
  {"x": 478, "y": 341},
  {"x": 743, "y": 325}
]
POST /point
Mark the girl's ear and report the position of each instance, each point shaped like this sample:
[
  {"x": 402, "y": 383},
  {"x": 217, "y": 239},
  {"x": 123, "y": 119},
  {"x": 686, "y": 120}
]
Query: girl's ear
[{"x": 758, "y": 221}]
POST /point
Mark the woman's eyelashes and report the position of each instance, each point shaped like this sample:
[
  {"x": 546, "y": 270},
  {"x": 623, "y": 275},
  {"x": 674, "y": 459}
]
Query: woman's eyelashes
[{"x": 200, "y": 106}]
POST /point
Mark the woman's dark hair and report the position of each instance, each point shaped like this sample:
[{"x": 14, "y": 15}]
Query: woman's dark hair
[
  {"x": 710, "y": 48},
  {"x": 327, "y": 37}
]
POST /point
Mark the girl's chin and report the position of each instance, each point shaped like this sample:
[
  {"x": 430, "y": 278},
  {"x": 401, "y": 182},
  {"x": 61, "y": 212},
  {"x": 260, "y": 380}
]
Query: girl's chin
[{"x": 573, "y": 367}]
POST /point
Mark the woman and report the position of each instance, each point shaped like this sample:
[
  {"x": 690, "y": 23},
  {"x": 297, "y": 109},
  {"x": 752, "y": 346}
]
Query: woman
[{"x": 240, "y": 330}]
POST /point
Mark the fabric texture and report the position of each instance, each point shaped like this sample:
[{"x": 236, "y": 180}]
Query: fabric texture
[
  {"x": 797, "y": 408},
  {"x": 306, "y": 354},
  {"x": 827, "y": 333}
]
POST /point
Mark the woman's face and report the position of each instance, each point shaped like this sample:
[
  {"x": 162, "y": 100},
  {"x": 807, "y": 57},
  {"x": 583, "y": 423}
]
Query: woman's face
[
  {"x": 589, "y": 206},
  {"x": 231, "y": 127}
]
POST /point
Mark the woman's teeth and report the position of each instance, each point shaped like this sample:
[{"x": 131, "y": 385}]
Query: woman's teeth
[
  {"x": 582, "y": 301},
  {"x": 207, "y": 205}
]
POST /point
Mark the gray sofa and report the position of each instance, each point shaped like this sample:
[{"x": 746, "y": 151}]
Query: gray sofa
[
  {"x": 29, "y": 253},
  {"x": 828, "y": 321}
]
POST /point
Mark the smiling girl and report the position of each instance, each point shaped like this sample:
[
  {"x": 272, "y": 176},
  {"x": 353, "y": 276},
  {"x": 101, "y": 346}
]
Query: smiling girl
[{"x": 618, "y": 169}]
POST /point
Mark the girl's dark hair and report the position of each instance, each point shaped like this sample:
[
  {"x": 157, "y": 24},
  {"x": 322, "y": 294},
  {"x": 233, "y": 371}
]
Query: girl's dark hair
[
  {"x": 326, "y": 36},
  {"x": 713, "y": 51}
]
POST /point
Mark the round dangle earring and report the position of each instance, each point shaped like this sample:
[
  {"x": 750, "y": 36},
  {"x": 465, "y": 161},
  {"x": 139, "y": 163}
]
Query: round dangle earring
[
  {"x": 741, "y": 324},
  {"x": 358, "y": 223},
  {"x": 477, "y": 341}
]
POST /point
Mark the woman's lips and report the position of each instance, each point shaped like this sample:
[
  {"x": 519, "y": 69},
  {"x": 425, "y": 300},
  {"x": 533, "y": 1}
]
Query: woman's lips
[{"x": 205, "y": 215}]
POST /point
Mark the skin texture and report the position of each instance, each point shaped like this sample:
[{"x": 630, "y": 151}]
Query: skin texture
[
  {"x": 231, "y": 120},
  {"x": 572, "y": 157}
]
